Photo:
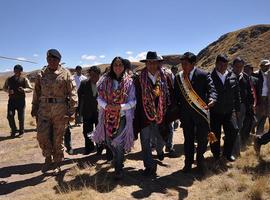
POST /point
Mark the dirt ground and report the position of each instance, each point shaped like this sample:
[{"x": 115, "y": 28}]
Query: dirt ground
[{"x": 91, "y": 177}]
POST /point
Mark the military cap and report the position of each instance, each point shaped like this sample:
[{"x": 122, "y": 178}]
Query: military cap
[
  {"x": 54, "y": 53},
  {"x": 18, "y": 67}
]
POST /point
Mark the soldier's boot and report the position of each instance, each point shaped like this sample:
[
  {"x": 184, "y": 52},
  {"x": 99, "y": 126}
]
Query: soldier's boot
[
  {"x": 47, "y": 165},
  {"x": 56, "y": 169}
]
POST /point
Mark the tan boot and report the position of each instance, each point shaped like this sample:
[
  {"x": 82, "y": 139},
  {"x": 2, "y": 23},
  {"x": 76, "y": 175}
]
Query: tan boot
[
  {"x": 56, "y": 169},
  {"x": 47, "y": 165}
]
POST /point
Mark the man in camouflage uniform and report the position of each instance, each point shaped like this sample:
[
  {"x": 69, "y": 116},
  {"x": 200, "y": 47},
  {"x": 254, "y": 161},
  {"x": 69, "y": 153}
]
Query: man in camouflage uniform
[{"x": 54, "y": 102}]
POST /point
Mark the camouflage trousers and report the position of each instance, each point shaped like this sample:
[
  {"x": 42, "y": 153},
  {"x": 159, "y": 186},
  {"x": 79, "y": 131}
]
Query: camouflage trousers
[{"x": 51, "y": 126}]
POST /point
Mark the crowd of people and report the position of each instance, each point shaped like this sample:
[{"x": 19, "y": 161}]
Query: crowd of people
[{"x": 119, "y": 105}]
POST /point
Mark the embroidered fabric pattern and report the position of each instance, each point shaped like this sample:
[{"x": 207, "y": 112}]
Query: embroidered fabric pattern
[
  {"x": 150, "y": 93},
  {"x": 114, "y": 97}
]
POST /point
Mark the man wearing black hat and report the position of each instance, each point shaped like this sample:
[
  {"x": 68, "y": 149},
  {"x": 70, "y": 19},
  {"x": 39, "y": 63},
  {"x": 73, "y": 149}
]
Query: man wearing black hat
[
  {"x": 153, "y": 91},
  {"x": 223, "y": 113},
  {"x": 195, "y": 94},
  {"x": 16, "y": 86},
  {"x": 54, "y": 102}
]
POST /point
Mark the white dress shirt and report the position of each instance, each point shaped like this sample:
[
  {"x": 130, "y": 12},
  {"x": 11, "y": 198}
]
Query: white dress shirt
[
  {"x": 222, "y": 76},
  {"x": 265, "y": 87},
  {"x": 79, "y": 79}
]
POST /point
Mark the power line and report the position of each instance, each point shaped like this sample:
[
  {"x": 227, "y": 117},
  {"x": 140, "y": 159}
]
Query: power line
[{"x": 21, "y": 60}]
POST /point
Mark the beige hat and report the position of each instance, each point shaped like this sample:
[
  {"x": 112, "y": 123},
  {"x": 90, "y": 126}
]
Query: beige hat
[{"x": 264, "y": 62}]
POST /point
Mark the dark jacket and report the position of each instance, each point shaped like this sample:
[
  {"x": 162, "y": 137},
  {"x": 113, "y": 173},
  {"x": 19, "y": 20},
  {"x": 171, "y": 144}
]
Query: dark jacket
[
  {"x": 259, "y": 76},
  {"x": 255, "y": 82},
  {"x": 13, "y": 83},
  {"x": 87, "y": 102},
  {"x": 228, "y": 94},
  {"x": 202, "y": 84},
  {"x": 246, "y": 91}
]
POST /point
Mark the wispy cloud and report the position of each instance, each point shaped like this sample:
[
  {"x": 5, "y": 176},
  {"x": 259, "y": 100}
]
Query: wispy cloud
[
  {"x": 129, "y": 52},
  {"x": 7, "y": 70},
  {"x": 88, "y": 57},
  {"x": 35, "y": 55},
  {"x": 102, "y": 56},
  {"x": 21, "y": 58},
  {"x": 138, "y": 57}
]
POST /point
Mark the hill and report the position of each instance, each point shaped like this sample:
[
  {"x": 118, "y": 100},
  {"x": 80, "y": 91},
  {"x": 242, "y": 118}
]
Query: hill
[{"x": 251, "y": 43}]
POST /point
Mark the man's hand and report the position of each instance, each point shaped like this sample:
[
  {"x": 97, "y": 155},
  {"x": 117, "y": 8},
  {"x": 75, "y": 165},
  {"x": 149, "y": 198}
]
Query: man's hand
[
  {"x": 10, "y": 92},
  {"x": 210, "y": 105},
  {"x": 33, "y": 113},
  {"x": 21, "y": 89}
]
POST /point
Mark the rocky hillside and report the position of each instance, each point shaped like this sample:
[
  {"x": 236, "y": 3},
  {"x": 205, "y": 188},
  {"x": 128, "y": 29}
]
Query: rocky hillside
[{"x": 251, "y": 43}]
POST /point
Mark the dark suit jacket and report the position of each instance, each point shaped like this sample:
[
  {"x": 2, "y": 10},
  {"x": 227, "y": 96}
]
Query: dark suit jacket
[
  {"x": 87, "y": 102},
  {"x": 259, "y": 76},
  {"x": 246, "y": 91},
  {"x": 202, "y": 84},
  {"x": 255, "y": 82},
  {"x": 228, "y": 94}
]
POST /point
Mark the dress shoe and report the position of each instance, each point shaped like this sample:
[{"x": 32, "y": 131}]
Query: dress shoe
[
  {"x": 119, "y": 175},
  {"x": 256, "y": 145},
  {"x": 186, "y": 169},
  {"x": 56, "y": 169},
  {"x": 161, "y": 156},
  {"x": 109, "y": 155},
  {"x": 47, "y": 165},
  {"x": 230, "y": 158},
  {"x": 150, "y": 171},
  {"x": 70, "y": 151}
]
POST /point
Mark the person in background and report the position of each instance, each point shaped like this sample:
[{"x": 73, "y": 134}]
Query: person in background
[
  {"x": 116, "y": 101},
  {"x": 248, "y": 98},
  {"x": 78, "y": 77},
  {"x": 223, "y": 113},
  {"x": 262, "y": 107},
  {"x": 16, "y": 86}
]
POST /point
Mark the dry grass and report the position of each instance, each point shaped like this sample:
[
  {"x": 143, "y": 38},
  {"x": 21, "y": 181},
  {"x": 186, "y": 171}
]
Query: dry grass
[{"x": 90, "y": 178}]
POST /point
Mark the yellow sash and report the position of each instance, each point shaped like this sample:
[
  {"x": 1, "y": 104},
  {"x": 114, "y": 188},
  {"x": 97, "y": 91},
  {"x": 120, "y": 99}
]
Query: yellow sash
[{"x": 195, "y": 101}]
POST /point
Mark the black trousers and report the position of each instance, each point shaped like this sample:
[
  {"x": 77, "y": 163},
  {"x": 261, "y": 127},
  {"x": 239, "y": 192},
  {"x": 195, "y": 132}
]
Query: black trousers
[
  {"x": 264, "y": 139},
  {"x": 229, "y": 124},
  {"x": 194, "y": 128},
  {"x": 247, "y": 126},
  {"x": 88, "y": 126},
  {"x": 13, "y": 105}
]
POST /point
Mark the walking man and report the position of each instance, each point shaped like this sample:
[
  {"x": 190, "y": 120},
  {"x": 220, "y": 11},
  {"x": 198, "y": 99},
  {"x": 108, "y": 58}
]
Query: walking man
[{"x": 16, "y": 86}]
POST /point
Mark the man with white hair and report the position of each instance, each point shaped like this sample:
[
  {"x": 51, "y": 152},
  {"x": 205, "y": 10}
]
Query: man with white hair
[
  {"x": 263, "y": 139},
  {"x": 262, "y": 95}
]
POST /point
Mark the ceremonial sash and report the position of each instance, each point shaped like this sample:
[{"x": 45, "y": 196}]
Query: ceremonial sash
[{"x": 192, "y": 98}]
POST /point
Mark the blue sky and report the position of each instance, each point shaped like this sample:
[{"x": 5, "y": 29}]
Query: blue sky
[{"x": 88, "y": 32}]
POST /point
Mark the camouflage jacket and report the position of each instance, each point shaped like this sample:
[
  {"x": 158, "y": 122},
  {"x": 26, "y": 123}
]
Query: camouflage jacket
[{"x": 58, "y": 84}]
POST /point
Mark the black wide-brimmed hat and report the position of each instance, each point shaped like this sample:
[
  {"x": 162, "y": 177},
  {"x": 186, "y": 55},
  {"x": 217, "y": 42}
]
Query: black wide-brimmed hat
[{"x": 152, "y": 56}]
